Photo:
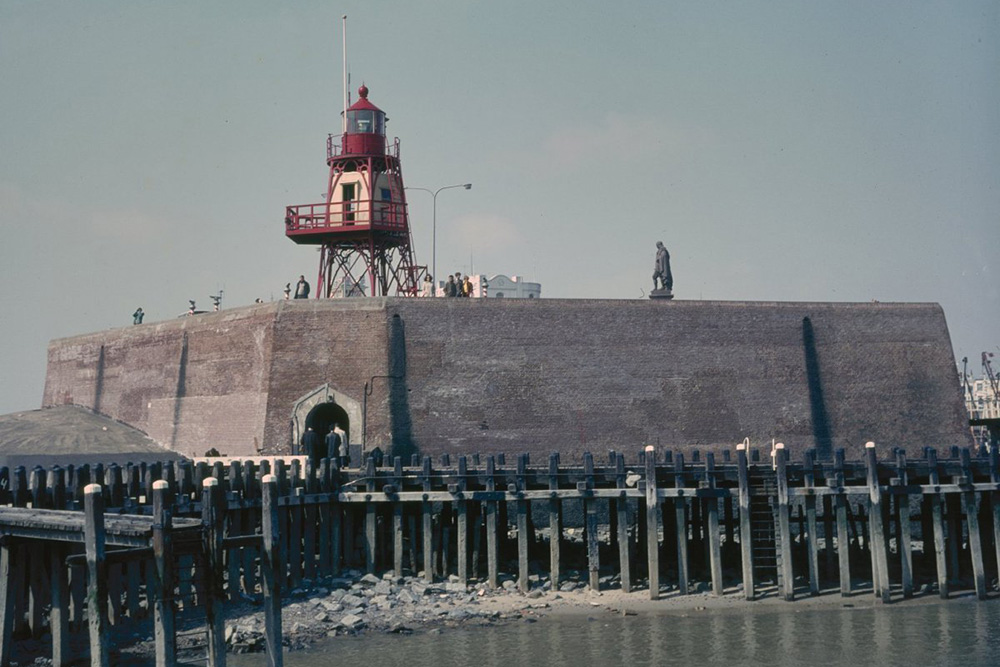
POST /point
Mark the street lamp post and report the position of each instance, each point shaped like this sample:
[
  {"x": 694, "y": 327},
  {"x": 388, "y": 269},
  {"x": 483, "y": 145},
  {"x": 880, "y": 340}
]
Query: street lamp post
[{"x": 434, "y": 197}]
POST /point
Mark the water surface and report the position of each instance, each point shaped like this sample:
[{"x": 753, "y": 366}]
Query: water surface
[{"x": 958, "y": 632}]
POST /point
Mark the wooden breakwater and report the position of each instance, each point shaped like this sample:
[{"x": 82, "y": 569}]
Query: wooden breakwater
[{"x": 738, "y": 523}]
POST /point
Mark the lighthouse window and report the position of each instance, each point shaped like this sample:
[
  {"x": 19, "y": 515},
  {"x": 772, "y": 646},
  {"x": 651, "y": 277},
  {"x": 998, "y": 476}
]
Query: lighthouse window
[
  {"x": 365, "y": 121},
  {"x": 386, "y": 194}
]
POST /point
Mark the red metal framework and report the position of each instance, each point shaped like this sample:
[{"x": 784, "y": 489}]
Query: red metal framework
[{"x": 366, "y": 248}]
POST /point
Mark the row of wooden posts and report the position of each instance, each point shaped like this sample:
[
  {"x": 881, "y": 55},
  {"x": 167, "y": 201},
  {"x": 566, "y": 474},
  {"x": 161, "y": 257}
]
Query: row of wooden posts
[{"x": 258, "y": 530}]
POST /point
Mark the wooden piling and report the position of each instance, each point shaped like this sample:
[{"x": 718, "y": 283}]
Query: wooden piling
[
  {"x": 621, "y": 510},
  {"x": 590, "y": 524},
  {"x": 812, "y": 541},
  {"x": 746, "y": 528},
  {"x": 336, "y": 521},
  {"x": 680, "y": 520},
  {"x": 6, "y": 601},
  {"x": 310, "y": 530},
  {"x": 97, "y": 583},
  {"x": 213, "y": 521},
  {"x": 784, "y": 523},
  {"x": 371, "y": 516},
  {"x": 880, "y": 573},
  {"x": 397, "y": 518},
  {"x": 461, "y": 522},
  {"x": 59, "y": 613},
  {"x": 652, "y": 524},
  {"x": 555, "y": 522},
  {"x": 995, "y": 502},
  {"x": 491, "y": 525},
  {"x": 161, "y": 596},
  {"x": 270, "y": 570},
  {"x": 938, "y": 524},
  {"x": 295, "y": 529},
  {"x": 523, "y": 583},
  {"x": 714, "y": 547},
  {"x": 970, "y": 504},
  {"x": 843, "y": 536},
  {"x": 904, "y": 541},
  {"x": 427, "y": 535}
]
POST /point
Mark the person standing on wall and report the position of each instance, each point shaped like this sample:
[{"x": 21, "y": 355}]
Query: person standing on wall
[
  {"x": 302, "y": 288},
  {"x": 312, "y": 446},
  {"x": 333, "y": 440}
]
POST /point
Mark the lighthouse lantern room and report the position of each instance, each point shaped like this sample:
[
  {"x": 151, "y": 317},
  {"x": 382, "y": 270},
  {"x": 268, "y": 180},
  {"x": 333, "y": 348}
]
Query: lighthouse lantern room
[{"x": 362, "y": 228}]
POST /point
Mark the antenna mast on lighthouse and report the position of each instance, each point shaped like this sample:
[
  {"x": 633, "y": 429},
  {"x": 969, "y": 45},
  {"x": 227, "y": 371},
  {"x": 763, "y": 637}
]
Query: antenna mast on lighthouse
[
  {"x": 362, "y": 229},
  {"x": 343, "y": 124}
]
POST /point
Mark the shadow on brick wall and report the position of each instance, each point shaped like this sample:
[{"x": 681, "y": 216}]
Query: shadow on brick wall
[{"x": 400, "y": 420}]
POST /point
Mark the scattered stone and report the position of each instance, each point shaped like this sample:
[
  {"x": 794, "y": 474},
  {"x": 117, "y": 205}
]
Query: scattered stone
[
  {"x": 382, "y": 602},
  {"x": 354, "y": 601},
  {"x": 352, "y": 622},
  {"x": 370, "y": 579}
]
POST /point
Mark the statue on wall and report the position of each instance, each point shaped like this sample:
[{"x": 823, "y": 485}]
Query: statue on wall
[{"x": 663, "y": 280}]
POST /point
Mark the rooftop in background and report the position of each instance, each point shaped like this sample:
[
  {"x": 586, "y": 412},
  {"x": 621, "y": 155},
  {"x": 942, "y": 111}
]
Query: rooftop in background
[{"x": 75, "y": 435}]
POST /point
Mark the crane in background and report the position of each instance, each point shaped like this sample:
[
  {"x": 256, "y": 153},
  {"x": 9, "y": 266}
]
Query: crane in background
[{"x": 982, "y": 397}]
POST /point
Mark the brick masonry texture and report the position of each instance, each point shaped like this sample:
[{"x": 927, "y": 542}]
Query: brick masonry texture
[{"x": 505, "y": 375}]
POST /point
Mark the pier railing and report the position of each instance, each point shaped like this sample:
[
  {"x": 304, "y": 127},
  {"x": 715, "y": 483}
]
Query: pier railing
[{"x": 738, "y": 523}]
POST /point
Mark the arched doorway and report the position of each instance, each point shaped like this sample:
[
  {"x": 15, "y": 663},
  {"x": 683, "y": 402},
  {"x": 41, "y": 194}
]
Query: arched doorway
[
  {"x": 323, "y": 417},
  {"x": 321, "y": 408}
]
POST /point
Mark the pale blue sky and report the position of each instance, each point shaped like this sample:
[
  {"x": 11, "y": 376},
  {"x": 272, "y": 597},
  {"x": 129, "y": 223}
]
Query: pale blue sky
[{"x": 808, "y": 151}]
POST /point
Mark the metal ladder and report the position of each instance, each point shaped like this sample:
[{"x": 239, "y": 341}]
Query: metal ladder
[{"x": 763, "y": 516}]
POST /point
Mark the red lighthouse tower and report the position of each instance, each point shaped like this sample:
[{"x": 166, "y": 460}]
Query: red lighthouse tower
[{"x": 362, "y": 228}]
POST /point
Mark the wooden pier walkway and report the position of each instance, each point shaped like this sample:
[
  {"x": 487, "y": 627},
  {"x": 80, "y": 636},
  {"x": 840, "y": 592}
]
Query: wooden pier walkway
[{"x": 140, "y": 543}]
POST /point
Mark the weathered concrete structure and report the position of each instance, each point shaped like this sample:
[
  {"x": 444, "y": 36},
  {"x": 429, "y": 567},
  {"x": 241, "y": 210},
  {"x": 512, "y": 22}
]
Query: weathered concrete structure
[{"x": 463, "y": 375}]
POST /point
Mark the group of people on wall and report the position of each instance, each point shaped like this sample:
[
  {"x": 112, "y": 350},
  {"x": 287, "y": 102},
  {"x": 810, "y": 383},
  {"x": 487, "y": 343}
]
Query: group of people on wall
[{"x": 456, "y": 286}]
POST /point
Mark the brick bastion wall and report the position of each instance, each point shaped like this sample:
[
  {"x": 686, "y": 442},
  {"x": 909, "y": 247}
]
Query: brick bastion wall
[{"x": 464, "y": 375}]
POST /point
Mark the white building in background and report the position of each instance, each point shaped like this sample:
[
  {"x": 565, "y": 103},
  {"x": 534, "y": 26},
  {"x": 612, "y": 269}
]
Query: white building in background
[
  {"x": 981, "y": 401},
  {"x": 500, "y": 286}
]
